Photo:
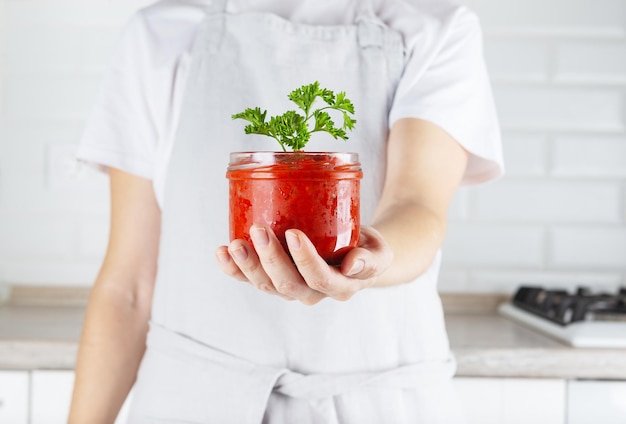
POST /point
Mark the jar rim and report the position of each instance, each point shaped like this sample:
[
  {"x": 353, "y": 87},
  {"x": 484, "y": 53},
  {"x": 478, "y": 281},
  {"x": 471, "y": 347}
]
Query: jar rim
[
  {"x": 276, "y": 162},
  {"x": 348, "y": 157}
]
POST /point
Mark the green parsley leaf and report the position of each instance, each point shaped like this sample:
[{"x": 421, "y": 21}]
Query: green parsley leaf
[{"x": 291, "y": 129}]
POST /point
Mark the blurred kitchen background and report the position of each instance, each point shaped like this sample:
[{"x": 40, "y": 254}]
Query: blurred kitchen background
[{"x": 558, "y": 217}]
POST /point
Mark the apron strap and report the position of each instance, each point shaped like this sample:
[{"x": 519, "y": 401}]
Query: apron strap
[
  {"x": 371, "y": 30},
  {"x": 215, "y": 6},
  {"x": 319, "y": 386},
  {"x": 319, "y": 389},
  {"x": 251, "y": 384},
  {"x": 370, "y": 34},
  {"x": 212, "y": 34}
]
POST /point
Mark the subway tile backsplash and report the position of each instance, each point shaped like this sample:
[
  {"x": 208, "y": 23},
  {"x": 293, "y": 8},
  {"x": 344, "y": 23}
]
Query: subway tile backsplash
[{"x": 558, "y": 218}]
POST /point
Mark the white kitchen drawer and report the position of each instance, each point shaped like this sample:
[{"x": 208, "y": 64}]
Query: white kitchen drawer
[
  {"x": 596, "y": 402},
  {"x": 512, "y": 400},
  {"x": 14, "y": 397},
  {"x": 51, "y": 394}
]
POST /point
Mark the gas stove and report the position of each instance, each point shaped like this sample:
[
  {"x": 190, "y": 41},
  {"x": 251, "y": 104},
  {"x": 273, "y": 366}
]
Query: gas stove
[{"x": 581, "y": 319}]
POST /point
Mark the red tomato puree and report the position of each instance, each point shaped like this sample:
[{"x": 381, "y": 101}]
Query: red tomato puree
[{"x": 317, "y": 193}]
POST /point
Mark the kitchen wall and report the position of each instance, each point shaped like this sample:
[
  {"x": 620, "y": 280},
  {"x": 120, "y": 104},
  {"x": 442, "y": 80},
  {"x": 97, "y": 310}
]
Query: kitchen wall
[
  {"x": 558, "y": 217},
  {"x": 53, "y": 215}
]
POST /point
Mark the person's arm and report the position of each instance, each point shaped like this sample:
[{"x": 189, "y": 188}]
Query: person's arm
[
  {"x": 425, "y": 166},
  {"x": 113, "y": 339}
]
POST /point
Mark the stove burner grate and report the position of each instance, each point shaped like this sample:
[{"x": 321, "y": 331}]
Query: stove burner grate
[{"x": 563, "y": 308}]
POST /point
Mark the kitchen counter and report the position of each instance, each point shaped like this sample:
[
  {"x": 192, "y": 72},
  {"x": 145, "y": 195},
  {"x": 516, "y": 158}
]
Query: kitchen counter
[
  {"x": 39, "y": 337},
  {"x": 484, "y": 343},
  {"x": 489, "y": 345}
]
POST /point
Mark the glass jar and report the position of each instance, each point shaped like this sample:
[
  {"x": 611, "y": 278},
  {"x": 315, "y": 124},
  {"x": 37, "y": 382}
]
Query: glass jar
[{"x": 317, "y": 193}]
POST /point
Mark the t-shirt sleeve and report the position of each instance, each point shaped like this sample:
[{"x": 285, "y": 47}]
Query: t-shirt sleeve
[
  {"x": 121, "y": 130},
  {"x": 450, "y": 87}
]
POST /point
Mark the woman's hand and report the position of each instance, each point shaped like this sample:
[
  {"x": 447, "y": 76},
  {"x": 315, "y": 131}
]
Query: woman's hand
[
  {"x": 425, "y": 165},
  {"x": 308, "y": 278}
]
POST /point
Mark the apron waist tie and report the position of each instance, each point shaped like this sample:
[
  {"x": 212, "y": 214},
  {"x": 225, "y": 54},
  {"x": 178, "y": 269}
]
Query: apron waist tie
[
  {"x": 317, "y": 386},
  {"x": 253, "y": 383}
]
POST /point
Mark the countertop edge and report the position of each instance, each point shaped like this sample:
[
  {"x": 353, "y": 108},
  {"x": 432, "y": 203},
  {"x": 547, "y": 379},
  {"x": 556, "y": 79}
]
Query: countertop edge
[
  {"x": 603, "y": 364},
  {"x": 567, "y": 363},
  {"x": 77, "y": 296},
  {"x": 473, "y": 318},
  {"x": 35, "y": 354}
]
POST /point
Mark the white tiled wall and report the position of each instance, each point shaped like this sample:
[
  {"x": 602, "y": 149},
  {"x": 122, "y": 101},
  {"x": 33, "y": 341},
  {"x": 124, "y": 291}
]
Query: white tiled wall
[
  {"x": 53, "y": 227},
  {"x": 558, "y": 217}
]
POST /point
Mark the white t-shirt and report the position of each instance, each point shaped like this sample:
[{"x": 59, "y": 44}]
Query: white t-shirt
[{"x": 132, "y": 126}]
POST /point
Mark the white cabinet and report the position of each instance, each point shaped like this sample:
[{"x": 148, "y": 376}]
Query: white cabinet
[
  {"x": 596, "y": 402},
  {"x": 51, "y": 393},
  {"x": 512, "y": 400},
  {"x": 14, "y": 397},
  {"x": 43, "y": 397}
]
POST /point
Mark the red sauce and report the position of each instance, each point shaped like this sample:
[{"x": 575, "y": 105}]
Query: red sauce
[{"x": 317, "y": 193}]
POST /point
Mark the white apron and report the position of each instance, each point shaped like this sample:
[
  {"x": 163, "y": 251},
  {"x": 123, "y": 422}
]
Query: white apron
[{"x": 221, "y": 351}]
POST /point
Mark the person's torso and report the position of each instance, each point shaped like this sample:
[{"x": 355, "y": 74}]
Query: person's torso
[
  {"x": 171, "y": 26},
  {"x": 253, "y": 59}
]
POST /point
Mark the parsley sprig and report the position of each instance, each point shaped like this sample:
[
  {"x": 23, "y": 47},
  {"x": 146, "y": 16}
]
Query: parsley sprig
[{"x": 292, "y": 129}]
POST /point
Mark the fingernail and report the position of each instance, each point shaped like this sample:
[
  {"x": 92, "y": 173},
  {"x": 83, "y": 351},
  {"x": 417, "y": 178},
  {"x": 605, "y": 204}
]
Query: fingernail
[
  {"x": 357, "y": 267},
  {"x": 240, "y": 253},
  {"x": 259, "y": 236},
  {"x": 223, "y": 258},
  {"x": 293, "y": 241}
]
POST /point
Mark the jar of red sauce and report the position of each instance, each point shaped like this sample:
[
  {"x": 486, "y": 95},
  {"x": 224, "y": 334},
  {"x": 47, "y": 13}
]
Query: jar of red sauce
[{"x": 317, "y": 193}]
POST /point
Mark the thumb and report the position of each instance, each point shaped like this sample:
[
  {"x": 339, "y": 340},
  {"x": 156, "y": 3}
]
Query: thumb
[{"x": 371, "y": 258}]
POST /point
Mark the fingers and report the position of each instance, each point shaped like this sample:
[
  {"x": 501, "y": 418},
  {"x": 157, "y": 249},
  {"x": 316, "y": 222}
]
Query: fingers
[
  {"x": 308, "y": 278},
  {"x": 316, "y": 272},
  {"x": 266, "y": 266},
  {"x": 228, "y": 265},
  {"x": 279, "y": 268},
  {"x": 371, "y": 258},
  {"x": 240, "y": 262}
]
